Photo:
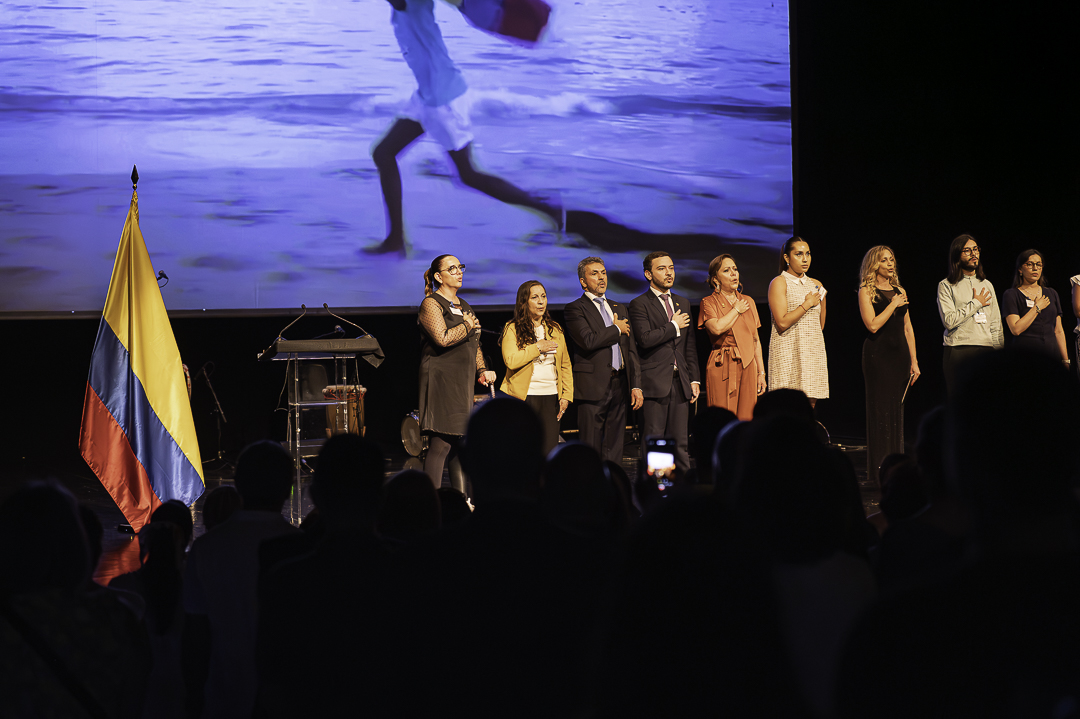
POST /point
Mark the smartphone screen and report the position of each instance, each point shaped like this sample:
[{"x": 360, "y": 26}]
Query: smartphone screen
[
  {"x": 660, "y": 461},
  {"x": 661, "y": 465}
]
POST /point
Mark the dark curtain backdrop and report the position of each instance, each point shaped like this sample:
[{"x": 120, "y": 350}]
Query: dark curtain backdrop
[{"x": 919, "y": 121}]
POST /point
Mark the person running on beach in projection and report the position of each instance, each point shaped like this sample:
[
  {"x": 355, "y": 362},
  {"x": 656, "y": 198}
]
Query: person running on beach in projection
[{"x": 439, "y": 108}]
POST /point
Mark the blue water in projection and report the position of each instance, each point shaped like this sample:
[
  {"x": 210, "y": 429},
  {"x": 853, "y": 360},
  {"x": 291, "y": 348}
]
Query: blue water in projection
[{"x": 252, "y": 125}]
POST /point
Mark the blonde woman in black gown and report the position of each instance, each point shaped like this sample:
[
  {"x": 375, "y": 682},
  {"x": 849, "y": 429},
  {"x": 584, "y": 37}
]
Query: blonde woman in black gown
[
  {"x": 888, "y": 358},
  {"x": 450, "y": 365}
]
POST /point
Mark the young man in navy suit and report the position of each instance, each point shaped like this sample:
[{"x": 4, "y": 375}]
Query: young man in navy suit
[
  {"x": 660, "y": 321},
  {"x": 604, "y": 362}
]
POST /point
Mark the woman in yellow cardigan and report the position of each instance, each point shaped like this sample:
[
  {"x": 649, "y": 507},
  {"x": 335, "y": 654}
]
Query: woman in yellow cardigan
[{"x": 537, "y": 362}]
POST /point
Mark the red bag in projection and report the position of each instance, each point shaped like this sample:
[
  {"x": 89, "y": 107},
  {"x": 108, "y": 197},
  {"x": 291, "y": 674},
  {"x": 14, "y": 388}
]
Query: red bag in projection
[{"x": 521, "y": 21}]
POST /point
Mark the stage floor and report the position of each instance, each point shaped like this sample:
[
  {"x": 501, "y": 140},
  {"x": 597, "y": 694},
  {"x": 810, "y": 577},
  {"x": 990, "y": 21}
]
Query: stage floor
[{"x": 120, "y": 551}]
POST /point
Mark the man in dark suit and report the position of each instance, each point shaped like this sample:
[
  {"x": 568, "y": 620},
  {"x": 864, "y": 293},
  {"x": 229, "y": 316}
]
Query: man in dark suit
[
  {"x": 605, "y": 360},
  {"x": 660, "y": 321}
]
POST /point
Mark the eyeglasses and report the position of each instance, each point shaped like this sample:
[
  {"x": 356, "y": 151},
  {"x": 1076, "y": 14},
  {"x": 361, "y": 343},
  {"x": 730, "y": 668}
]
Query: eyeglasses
[
  {"x": 454, "y": 269},
  {"x": 970, "y": 251},
  {"x": 1032, "y": 265}
]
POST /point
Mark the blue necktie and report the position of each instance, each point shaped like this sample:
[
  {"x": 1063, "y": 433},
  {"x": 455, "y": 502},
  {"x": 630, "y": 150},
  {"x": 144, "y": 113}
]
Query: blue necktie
[{"x": 616, "y": 357}]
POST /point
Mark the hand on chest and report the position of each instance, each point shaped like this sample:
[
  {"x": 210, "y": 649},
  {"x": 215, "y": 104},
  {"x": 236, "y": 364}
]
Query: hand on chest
[{"x": 669, "y": 306}]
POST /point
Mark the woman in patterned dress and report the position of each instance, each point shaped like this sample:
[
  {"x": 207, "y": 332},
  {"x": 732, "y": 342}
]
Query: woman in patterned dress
[{"x": 797, "y": 346}]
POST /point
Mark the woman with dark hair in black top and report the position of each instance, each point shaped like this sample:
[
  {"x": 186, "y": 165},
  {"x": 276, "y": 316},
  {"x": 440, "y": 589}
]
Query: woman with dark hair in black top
[
  {"x": 1032, "y": 310},
  {"x": 450, "y": 364}
]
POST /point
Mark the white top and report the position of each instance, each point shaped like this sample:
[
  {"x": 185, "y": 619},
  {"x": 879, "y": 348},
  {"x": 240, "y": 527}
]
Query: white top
[
  {"x": 544, "y": 377},
  {"x": 1075, "y": 282},
  {"x": 221, "y": 582},
  {"x": 966, "y": 321},
  {"x": 797, "y": 357}
]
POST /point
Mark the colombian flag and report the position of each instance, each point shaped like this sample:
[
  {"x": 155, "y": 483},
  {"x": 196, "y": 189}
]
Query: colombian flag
[{"x": 137, "y": 432}]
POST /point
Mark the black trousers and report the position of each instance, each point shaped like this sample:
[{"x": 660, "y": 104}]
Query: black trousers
[
  {"x": 953, "y": 360},
  {"x": 602, "y": 424},
  {"x": 546, "y": 407},
  {"x": 669, "y": 417}
]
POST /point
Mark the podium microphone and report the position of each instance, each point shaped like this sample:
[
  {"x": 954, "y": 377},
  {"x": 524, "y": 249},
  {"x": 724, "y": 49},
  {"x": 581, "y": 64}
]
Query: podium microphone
[
  {"x": 304, "y": 308},
  {"x": 338, "y": 332},
  {"x": 363, "y": 332}
]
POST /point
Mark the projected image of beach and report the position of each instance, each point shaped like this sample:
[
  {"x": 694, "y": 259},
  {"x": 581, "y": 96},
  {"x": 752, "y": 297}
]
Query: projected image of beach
[{"x": 641, "y": 126}]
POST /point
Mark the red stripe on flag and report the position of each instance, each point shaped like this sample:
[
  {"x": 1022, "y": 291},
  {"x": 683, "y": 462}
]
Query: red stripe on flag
[{"x": 106, "y": 449}]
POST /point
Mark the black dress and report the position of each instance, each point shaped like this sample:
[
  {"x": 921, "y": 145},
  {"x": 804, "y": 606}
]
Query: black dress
[
  {"x": 886, "y": 364},
  {"x": 448, "y": 366},
  {"x": 1039, "y": 336}
]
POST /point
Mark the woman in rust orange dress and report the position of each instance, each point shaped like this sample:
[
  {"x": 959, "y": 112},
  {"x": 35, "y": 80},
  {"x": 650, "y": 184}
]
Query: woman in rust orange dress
[{"x": 734, "y": 374}]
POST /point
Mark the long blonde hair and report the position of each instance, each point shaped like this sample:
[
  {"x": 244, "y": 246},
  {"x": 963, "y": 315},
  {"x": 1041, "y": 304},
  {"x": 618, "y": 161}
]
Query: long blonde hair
[{"x": 868, "y": 270}]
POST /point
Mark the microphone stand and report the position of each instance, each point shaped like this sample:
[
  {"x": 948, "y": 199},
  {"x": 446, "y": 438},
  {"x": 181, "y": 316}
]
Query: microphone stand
[
  {"x": 364, "y": 333},
  {"x": 219, "y": 416},
  {"x": 302, "y": 307}
]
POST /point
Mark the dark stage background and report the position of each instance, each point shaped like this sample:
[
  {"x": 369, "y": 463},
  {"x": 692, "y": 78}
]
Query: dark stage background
[{"x": 913, "y": 123}]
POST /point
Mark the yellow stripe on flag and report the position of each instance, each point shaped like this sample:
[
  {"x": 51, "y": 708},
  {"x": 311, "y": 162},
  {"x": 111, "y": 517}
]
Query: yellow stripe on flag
[{"x": 136, "y": 313}]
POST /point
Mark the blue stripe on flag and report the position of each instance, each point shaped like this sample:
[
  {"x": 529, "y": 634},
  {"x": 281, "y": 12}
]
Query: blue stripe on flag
[{"x": 171, "y": 473}]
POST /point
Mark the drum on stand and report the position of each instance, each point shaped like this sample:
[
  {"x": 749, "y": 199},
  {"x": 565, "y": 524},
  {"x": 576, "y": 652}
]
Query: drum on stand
[
  {"x": 415, "y": 442},
  {"x": 350, "y": 410}
]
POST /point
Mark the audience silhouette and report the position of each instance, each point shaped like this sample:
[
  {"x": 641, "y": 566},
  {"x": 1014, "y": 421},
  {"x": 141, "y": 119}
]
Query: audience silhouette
[
  {"x": 65, "y": 650},
  {"x": 577, "y": 496},
  {"x": 221, "y": 586},
  {"x": 705, "y": 427},
  {"x": 219, "y": 504},
  {"x": 526, "y": 591},
  {"x": 996, "y": 633},
  {"x": 453, "y": 506},
  {"x": 410, "y": 508},
  {"x": 343, "y": 592},
  {"x": 759, "y": 590}
]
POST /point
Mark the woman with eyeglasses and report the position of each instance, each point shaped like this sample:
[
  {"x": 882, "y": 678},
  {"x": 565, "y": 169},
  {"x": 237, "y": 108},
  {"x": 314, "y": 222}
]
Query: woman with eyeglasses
[
  {"x": 797, "y": 357},
  {"x": 1032, "y": 310},
  {"x": 734, "y": 374},
  {"x": 888, "y": 356},
  {"x": 538, "y": 367},
  {"x": 450, "y": 365}
]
